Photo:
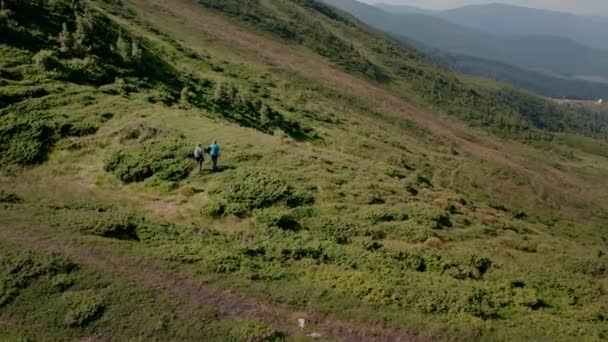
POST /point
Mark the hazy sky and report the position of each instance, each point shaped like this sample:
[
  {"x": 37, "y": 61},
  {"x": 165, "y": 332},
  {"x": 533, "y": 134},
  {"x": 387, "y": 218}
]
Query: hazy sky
[{"x": 577, "y": 6}]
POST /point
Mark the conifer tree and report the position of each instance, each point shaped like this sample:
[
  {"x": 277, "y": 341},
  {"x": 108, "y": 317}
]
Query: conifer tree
[
  {"x": 221, "y": 93},
  {"x": 241, "y": 100},
  {"x": 136, "y": 52},
  {"x": 84, "y": 27},
  {"x": 184, "y": 98},
  {"x": 123, "y": 48},
  {"x": 265, "y": 115},
  {"x": 65, "y": 39}
]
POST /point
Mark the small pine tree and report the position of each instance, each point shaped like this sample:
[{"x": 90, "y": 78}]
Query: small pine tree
[
  {"x": 45, "y": 59},
  {"x": 231, "y": 93},
  {"x": 221, "y": 95},
  {"x": 184, "y": 98},
  {"x": 121, "y": 84},
  {"x": 136, "y": 52},
  {"x": 265, "y": 115},
  {"x": 123, "y": 49},
  {"x": 84, "y": 27},
  {"x": 65, "y": 39},
  {"x": 242, "y": 101}
]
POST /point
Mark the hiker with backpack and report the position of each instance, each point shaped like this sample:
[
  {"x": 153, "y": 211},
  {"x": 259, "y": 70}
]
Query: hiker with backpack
[
  {"x": 214, "y": 152},
  {"x": 199, "y": 156}
]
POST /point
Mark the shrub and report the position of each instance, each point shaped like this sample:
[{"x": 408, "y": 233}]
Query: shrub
[
  {"x": 19, "y": 269},
  {"x": 379, "y": 215},
  {"x": 257, "y": 188},
  {"x": 46, "y": 59},
  {"x": 117, "y": 225},
  {"x": 6, "y": 197},
  {"x": 431, "y": 216},
  {"x": 26, "y": 139},
  {"x": 83, "y": 308},
  {"x": 481, "y": 304},
  {"x": 25, "y": 143},
  {"x": 411, "y": 261},
  {"x": 276, "y": 218},
  {"x": 237, "y": 209},
  {"x": 256, "y": 331},
  {"x": 214, "y": 209},
  {"x": 88, "y": 70},
  {"x": 395, "y": 173},
  {"x": 522, "y": 245},
  {"x": 85, "y": 205},
  {"x": 338, "y": 229},
  {"x": 245, "y": 157},
  {"x": 479, "y": 266},
  {"x": 78, "y": 128},
  {"x": 254, "y": 188},
  {"x": 224, "y": 262},
  {"x": 409, "y": 231},
  {"x": 167, "y": 161}
]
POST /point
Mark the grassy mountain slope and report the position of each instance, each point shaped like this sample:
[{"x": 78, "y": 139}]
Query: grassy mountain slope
[
  {"x": 362, "y": 187},
  {"x": 548, "y": 54}
]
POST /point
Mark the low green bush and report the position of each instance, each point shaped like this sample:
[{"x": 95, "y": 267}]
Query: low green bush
[
  {"x": 19, "y": 269},
  {"x": 214, "y": 209},
  {"x": 78, "y": 128},
  {"x": 165, "y": 160},
  {"x": 338, "y": 229},
  {"x": 254, "y": 188},
  {"x": 117, "y": 225},
  {"x": 46, "y": 59},
  {"x": 276, "y": 218},
  {"x": 15, "y": 94},
  {"x": 27, "y": 136},
  {"x": 87, "y": 70},
  {"x": 430, "y": 215},
  {"x": 84, "y": 205},
  {"x": 378, "y": 215},
  {"x": 6, "y": 197},
  {"x": 25, "y": 143},
  {"x": 410, "y": 231},
  {"x": 83, "y": 308},
  {"x": 256, "y": 331}
]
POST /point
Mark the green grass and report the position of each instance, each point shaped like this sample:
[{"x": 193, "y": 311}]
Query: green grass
[{"x": 53, "y": 298}]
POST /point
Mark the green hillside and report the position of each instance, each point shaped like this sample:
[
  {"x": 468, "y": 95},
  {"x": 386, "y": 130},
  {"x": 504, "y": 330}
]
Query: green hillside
[{"x": 362, "y": 187}]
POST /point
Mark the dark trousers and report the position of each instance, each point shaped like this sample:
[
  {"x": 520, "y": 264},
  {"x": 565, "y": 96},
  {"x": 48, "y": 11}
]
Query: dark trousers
[
  {"x": 199, "y": 161},
  {"x": 214, "y": 160}
]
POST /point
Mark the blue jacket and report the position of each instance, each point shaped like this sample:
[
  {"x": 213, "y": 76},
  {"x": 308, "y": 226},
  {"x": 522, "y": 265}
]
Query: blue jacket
[{"x": 214, "y": 150}]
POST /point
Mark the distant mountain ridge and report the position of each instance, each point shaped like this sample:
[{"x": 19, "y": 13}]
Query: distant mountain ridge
[
  {"x": 402, "y": 9},
  {"x": 498, "y": 18},
  {"x": 516, "y": 20},
  {"x": 556, "y": 57}
]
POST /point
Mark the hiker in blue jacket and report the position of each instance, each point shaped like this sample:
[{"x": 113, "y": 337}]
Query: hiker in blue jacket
[{"x": 214, "y": 152}]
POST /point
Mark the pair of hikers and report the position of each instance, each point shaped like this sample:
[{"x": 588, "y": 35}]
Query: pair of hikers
[{"x": 214, "y": 152}]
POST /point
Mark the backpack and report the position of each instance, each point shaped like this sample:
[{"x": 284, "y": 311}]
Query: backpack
[{"x": 198, "y": 153}]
